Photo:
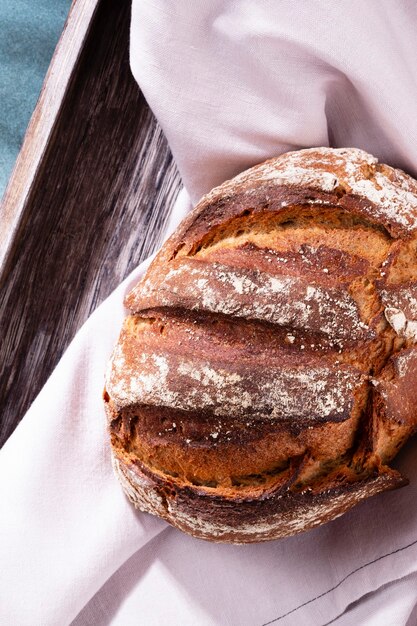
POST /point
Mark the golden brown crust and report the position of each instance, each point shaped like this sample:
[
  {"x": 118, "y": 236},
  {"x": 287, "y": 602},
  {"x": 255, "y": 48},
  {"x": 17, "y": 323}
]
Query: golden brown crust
[
  {"x": 265, "y": 376},
  {"x": 275, "y": 513}
]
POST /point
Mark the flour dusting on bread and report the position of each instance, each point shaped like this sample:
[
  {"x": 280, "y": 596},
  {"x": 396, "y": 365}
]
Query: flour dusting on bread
[{"x": 265, "y": 376}]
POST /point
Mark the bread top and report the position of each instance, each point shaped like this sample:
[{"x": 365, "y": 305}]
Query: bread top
[
  {"x": 275, "y": 330},
  {"x": 348, "y": 178}
]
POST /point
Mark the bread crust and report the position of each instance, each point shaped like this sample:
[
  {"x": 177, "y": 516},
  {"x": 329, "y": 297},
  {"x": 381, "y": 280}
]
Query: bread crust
[
  {"x": 275, "y": 514},
  {"x": 264, "y": 378}
]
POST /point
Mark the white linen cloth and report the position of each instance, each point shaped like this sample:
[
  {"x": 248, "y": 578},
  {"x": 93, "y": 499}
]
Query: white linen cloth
[{"x": 231, "y": 83}]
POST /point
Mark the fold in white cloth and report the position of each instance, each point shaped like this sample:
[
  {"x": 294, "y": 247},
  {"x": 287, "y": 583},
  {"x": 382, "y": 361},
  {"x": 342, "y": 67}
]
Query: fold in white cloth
[{"x": 231, "y": 83}]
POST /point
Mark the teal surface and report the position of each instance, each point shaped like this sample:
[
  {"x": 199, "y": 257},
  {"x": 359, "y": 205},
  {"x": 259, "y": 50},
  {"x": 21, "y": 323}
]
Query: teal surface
[{"x": 29, "y": 31}]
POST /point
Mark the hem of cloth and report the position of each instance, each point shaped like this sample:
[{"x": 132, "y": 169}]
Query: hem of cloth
[{"x": 325, "y": 607}]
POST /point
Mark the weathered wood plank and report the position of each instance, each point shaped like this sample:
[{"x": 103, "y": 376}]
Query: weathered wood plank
[
  {"x": 38, "y": 133},
  {"x": 97, "y": 205}
]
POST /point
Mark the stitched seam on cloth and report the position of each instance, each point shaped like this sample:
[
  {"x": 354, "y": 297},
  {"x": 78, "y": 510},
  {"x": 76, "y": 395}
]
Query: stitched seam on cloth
[
  {"x": 335, "y": 619},
  {"x": 379, "y": 558}
]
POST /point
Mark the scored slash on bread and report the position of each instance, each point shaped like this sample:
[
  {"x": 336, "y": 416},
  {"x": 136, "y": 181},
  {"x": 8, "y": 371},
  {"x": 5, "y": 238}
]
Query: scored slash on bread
[{"x": 264, "y": 378}]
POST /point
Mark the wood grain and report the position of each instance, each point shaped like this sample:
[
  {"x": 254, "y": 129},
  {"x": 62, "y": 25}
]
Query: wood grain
[
  {"x": 62, "y": 68},
  {"x": 89, "y": 210}
]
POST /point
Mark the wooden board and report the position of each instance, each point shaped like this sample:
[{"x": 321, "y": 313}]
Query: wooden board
[{"x": 88, "y": 200}]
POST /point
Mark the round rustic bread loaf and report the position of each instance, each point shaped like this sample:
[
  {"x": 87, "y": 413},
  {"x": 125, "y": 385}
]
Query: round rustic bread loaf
[{"x": 266, "y": 374}]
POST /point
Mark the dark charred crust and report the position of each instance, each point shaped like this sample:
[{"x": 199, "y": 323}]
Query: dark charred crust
[{"x": 193, "y": 429}]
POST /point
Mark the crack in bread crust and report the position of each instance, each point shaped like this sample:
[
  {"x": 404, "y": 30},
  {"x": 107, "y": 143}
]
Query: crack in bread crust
[
  {"x": 271, "y": 350},
  {"x": 276, "y": 514}
]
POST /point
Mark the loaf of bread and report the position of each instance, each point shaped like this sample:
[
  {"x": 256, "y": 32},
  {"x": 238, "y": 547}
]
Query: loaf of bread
[{"x": 266, "y": 375}]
